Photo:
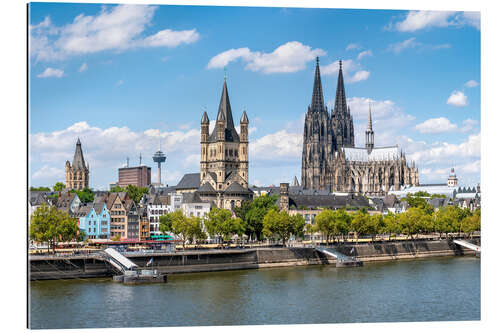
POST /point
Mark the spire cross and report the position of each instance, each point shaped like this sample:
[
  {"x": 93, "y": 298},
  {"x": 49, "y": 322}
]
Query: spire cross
[{"x": 225, "y": 74}]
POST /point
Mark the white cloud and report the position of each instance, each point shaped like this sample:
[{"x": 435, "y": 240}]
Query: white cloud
[
  {"x": 279, "y": 145},
  {"x": 48, "y": 172},
  {"x": 457, "y": 98},
  {"x": 472, "y": 18},
  {"x": 353, "y": 46},
  {"x": 287, "y": 58},
  {"x": 359, "y": 76},
  {"x": 436, "y": 125},
  {"x": 417, "y": 20},
  {"x": 445, "y": 151},
  {"x": 83, "y": 67},
  {"x": 409, "y": 43},
  {"x": 171, "y": 38},
  {"x": 106, "y": 149},
  {"x": 471, "y": 84},
  {"x": 51, "y": 72},
  {"x": 351, "y": 69},
  {"x": 114, "y": 28},
  {"x": 365, "y": 53},
  {"x": 468, "y": 125}
]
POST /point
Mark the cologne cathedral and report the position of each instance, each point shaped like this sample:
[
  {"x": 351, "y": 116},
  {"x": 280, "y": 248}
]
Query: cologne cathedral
[{"x": 330, "y": 160}]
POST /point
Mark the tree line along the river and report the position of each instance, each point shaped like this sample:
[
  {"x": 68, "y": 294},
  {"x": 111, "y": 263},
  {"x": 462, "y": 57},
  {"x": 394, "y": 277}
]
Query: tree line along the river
[{"x": 261, "y": 219}]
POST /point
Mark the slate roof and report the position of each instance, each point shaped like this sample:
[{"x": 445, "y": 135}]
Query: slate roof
[
  {"x": 206, "y": 188},
  {"x": 38, "y": 198},
  {"x": 191, "y": 198},
  {"x": 328, "y": 201},
  {"x": 226, "y": 115},
  {"x": 358, "y": 154},
  {"x": 83, "y": 210},
  {"x": 78, "y": 160},
  {"x": 98, "y": 207},
  {"x": 236, "y": 188},
  {"x": 189, "y": 181}
]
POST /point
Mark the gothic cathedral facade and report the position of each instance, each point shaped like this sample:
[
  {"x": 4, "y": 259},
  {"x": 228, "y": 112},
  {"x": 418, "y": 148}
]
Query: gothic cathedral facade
[{"x": 330, "y": 160}]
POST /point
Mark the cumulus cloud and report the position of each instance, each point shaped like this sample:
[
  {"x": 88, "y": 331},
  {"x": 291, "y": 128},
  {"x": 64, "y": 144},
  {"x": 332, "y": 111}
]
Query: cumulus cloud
[
  {"x": 351, "y": 69},
  {"x": 418, "y": 20},
  {"x": 48, "y": 172},
  {"x": 436, "y": 125},
  {"x": 365, "y": 53},
  {"x": 471, "y": 84},
  {"x": 278, "y": 145},
  {"x": 457, "y": 98},
  {"x": 106, "y": 149},
  {"x": 409, "y": 43},
  {"x": 385, "y": 113},
  {"x": 287, "y": 58},
  {"x": 441, "y": 151},
  {"x": 114, "y": 28},
  {"x": 51, "y": 72},
  {"x": 468, "y": 125},
  {"x": 83, "y": 67},
  {"x": 353, "y": 46}
]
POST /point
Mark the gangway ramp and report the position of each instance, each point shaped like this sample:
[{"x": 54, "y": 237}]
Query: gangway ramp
[
  {"x": 468, "y": 245},
  {"x": 342, "y": 259},
  {"x": 118, "y": 260}
]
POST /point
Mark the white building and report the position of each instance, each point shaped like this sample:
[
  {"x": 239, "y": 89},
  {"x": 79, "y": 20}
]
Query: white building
[{"x": 448, "y": 189}]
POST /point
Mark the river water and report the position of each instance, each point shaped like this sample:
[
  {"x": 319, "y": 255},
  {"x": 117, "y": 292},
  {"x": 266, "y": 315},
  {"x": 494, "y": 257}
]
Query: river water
[{"x": 418, "y": 290}]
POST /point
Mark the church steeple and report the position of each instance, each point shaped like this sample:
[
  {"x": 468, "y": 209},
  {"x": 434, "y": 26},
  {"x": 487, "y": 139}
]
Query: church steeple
[
  {"x": 340, "y": 99},
  {"x": 369, "y": 131},
  {"x": 78, "y": 160},
  {"x": 317, "y": 103},
  {"x": 226, "y": 114}
]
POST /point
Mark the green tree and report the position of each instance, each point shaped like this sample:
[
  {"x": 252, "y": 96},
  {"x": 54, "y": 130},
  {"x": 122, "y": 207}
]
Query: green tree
[
  {"x": 252, "y": 213},
  {"x": 359, "y": 223},
  {"x": 117, "y": 189},
  {"x": 282, "y": 226},
  {"x": 374, "y": 225},
  {"x": 86, "y": 195},
  {"x": 58, "y": 187},
  {"x": 40, "y": 189},
  {"x": 221, "y": 225},
  {"x": 50, "y": 225},
  {"x": 325, "y": 223},
  {"x": 116, "y": 238},
  {"x": 167, "y": 220},
  {"x": 136, "y": 193},
  {"x": 391, "y": 225},
  {"x": 414, "y": 221},
  {"x": 417, "y": 201}
]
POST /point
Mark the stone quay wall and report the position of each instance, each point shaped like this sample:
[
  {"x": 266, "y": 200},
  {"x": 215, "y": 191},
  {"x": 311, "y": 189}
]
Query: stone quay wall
[{"x": 49, "y": 267}]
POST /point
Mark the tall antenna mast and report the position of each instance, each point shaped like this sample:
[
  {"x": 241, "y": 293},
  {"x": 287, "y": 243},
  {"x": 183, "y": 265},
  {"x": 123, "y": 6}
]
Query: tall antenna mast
[
  {"x": 159, "y": 140},
  {"x": 127, "y": 161},
  {"x": 140, "y": 159}
]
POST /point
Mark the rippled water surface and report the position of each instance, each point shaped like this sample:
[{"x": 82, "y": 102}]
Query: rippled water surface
[{"x": 418, "y": 290}]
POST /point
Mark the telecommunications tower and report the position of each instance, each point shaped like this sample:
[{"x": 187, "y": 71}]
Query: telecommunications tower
[{"x": 159, "y": 157}]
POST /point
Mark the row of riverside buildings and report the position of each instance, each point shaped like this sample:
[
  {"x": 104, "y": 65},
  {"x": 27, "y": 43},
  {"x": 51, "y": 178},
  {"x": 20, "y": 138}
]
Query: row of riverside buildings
[
  {"x": 335, "y": 174},
  {"x": 114, "y": 215}
]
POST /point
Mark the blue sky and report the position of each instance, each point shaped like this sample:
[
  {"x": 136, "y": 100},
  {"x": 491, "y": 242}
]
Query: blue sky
[{"x": 114, "y": 75}]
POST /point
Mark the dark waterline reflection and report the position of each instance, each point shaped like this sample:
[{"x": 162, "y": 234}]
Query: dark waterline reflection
[{"x": 420, "y": 290}]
